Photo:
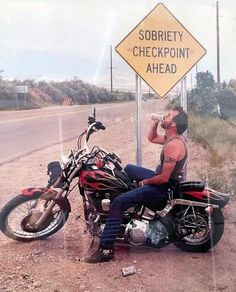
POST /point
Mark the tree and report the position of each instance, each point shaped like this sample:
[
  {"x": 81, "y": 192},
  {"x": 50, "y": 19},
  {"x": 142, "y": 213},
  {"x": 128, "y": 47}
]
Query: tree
[{"x": 205, "y": 80}]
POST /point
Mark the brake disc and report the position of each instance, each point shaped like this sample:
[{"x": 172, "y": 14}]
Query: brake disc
[{"x": 28, "y": 223}]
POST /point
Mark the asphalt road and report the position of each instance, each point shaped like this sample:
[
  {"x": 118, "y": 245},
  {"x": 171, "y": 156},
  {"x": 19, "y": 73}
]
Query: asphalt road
[{"x": 23, "y": 132}]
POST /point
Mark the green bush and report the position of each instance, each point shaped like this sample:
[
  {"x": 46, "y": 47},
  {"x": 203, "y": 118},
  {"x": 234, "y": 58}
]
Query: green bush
[{"x": 44, "y": 93}]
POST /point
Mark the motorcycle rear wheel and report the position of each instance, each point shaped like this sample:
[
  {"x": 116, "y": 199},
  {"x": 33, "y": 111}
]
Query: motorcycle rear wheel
[
  {"x": 210, "y": 237},
  {"x": 17, "y": 210}
]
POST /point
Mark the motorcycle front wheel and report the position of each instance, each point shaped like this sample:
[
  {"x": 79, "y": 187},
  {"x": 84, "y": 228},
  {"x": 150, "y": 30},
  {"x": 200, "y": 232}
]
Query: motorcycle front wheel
[
  {"x": 15, "y": 214},
  {"x": 205, "y": 231}
]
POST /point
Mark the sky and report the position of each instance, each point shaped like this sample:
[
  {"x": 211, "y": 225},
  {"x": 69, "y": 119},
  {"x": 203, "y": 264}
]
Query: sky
[{"x": 61, "y": 39}]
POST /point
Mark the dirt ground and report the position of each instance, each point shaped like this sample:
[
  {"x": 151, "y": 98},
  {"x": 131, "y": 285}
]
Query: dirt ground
[{"x": 54, "y": 265}]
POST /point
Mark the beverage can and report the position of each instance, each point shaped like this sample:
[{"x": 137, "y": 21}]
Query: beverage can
[
  {"x": 128, "y": 271},
  {"x": 157, "y": 117}
]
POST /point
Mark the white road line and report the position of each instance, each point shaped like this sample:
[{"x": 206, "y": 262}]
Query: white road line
[{"x": 56, "y": 114}]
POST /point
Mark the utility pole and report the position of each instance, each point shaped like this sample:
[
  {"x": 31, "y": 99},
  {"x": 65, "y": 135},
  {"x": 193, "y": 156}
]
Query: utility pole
[
  {"x": 111, "y": 68},
  {"x": 196, "y": 75},
  {"x": 218, "y": 43}
]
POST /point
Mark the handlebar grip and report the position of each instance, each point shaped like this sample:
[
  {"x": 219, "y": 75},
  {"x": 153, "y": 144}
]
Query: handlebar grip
[{"x": 100, "y": 126}]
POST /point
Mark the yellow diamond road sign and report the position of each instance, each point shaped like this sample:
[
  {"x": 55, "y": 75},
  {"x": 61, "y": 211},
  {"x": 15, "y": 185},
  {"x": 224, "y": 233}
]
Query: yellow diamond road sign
[{"x": 161, "y": 50}]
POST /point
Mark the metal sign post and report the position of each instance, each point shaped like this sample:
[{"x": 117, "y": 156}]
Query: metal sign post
[
  {"x": 183, "y": 98},
  {"x": 17, "y": 101},
  {"x": 185, "y": 107},
  {"x": 138, "y": 95},
  {"x": 21, "y": 89}
]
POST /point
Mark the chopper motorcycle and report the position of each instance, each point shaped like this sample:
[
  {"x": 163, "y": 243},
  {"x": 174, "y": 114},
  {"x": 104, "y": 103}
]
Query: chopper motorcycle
[{"x": 191, "y": 219}]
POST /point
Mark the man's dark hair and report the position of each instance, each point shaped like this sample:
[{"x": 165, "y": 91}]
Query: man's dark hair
[{"x": 181, "y": 119}]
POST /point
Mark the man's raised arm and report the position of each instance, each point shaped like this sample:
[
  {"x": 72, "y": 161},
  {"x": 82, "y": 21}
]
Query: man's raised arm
[{"x": 153, "y": 136}]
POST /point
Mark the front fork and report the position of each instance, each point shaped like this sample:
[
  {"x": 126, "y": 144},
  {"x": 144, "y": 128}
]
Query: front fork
[{"x": 42, "y": 212}]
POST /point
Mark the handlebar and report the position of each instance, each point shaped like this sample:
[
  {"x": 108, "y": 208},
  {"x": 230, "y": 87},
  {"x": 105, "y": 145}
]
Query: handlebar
[
  {"x": 93, "y": 126},
  {"x": 115, "y": 160}
]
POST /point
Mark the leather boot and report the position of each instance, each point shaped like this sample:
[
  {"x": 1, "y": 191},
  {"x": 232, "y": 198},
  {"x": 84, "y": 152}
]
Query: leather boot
[{"x": 100, "y": 255}]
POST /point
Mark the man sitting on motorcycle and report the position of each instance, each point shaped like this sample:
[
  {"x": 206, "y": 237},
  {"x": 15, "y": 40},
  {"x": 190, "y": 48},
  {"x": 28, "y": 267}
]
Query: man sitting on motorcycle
[{"x": 154, "y": 185}]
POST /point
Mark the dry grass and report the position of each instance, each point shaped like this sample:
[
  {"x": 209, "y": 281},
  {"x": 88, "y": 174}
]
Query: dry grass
[
  {"x": 215, "y": 179},
  {"x": 218, "y": 137}
]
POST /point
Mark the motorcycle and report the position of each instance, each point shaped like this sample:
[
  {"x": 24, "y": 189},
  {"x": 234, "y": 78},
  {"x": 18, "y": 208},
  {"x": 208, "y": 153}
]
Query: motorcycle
[{"x": 191, "y": 219}]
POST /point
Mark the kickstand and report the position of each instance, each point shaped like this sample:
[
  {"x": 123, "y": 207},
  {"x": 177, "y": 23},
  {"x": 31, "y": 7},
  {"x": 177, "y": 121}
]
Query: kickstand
[{"x": 93, "y": 245}]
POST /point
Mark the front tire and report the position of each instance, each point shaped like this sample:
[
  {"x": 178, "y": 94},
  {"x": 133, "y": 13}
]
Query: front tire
[
  {"x": 210, "y": 236},
  {"x": 18, "y": 209}
]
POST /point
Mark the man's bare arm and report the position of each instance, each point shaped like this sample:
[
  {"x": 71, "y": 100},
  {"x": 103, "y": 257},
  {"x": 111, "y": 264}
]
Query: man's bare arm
[
  {"x": 153, "y": 135},
  {"x": 171, "y": 156},
  {"x": 164, "y": 176}
]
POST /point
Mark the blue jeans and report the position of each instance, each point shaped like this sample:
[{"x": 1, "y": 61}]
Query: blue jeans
[{"x": 146, "y": 195}]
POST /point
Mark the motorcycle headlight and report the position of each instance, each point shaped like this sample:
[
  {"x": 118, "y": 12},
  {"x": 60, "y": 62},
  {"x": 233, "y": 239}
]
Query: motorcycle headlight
[{"x": 64, "y": 161}]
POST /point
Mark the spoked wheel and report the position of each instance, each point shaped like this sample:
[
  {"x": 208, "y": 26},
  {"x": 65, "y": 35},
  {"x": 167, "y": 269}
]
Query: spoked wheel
[
  {"x": 16, "y": 219},
  {"x": 203, "y": 231}
]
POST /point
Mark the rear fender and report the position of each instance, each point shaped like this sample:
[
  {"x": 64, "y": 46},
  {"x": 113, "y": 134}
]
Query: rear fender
[{"x": 210, "y": 196}]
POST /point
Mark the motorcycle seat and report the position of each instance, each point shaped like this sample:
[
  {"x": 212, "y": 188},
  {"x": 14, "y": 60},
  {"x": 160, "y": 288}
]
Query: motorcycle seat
[{"x": 185, "y": 186}]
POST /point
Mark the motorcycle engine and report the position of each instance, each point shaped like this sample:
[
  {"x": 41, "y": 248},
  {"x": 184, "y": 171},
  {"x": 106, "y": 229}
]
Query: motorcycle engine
[
  {"x": 138, "y": 232},
  {"x": 156, "y": 232}
]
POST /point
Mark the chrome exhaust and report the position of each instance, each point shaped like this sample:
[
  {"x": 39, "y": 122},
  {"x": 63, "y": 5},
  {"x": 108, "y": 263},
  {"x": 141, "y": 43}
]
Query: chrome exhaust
[{"x": 208, "y": 207}]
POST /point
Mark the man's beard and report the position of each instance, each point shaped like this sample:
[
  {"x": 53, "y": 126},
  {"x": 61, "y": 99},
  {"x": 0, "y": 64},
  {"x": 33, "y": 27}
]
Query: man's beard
[{"x": 165, "y": 125}]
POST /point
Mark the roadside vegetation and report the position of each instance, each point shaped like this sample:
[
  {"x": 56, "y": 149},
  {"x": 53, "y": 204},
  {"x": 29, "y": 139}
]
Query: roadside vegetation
[
  {"x": 218, "y": 137},
  {"x": 212, "y": 125},
  {"x": 44, "y": 93}
]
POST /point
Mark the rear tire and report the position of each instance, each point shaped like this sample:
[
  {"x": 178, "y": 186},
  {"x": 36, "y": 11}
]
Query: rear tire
[
  {"x": 215, "y": 233},
  {"x": 11, "y": 220}
]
